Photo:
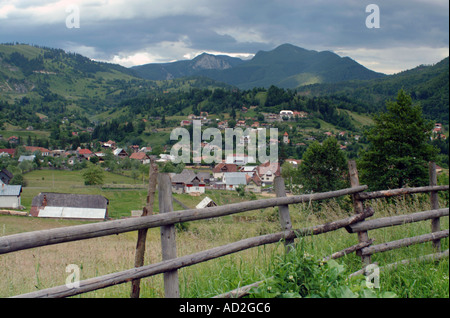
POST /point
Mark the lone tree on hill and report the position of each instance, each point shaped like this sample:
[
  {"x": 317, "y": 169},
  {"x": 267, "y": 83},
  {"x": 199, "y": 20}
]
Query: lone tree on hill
[
  {"x": 324, "y": 167},
  {"x": 93, "y": 175},
  {"x": 399, "y": 150}
]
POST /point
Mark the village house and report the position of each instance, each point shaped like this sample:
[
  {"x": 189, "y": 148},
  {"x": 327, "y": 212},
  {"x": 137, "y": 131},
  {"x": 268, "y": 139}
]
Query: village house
[
  {"x": 146, "y": 149},
  {"x": 294, "y": 162},
  {"x": 10, "y": 196},
  {"x": 5, "y": 176},
  {"x": 24, "y": 158},
  {"x": 240, "y": 159},
  {"x": 232, "y": 180},
  {"x": 268, "y": 171},
  {"x": 240, "y": 123},
  {"x": 70, "y": 206},
  {"x": 7, "y": 152},
  {"x": 248, "y": 170},
  {"x": 141, "y": 156},
  {"x": 222, "y": 168},
  {"x": 133, "y": 148},
  {"x": 253, "y": 183},
  {"x": 300, "y": 114},
  {"x": 13, "y": 140},
  {"x": 119, "y": 152},
  {"x": 84, "y": 153},
  {"x": 43, "y": 151},
  {"x": 286, "y": 138},
  {"x": 187, "y": 182},
  {"x": 109, "y": 144},
  {"x": 287, "y": 113}
]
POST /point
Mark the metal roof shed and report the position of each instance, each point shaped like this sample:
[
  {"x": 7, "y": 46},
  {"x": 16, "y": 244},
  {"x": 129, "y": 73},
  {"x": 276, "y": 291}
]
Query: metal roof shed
[{"x": 72, "y": 206}]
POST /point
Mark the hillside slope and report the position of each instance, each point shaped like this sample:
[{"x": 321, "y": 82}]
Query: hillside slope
[
  {"x": 427, "y": 85},
  {"x": 286, "y": 66}
]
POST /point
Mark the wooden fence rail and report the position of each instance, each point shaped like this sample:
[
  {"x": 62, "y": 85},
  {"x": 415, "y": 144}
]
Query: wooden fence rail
[
  {"x": 356, "y": 223},
  {"x": 28, "y": 240}
]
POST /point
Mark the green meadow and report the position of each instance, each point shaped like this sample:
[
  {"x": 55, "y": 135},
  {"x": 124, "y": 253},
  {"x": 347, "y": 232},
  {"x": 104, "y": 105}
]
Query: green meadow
[{"x": 44, "y": 267}]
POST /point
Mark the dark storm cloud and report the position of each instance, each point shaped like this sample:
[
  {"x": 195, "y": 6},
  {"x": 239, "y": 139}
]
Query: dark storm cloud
[{"x": 132, "y": 31}]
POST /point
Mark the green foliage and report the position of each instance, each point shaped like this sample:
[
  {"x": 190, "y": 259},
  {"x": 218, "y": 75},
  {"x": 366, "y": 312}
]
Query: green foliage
[
  {"x": 399, "y": 147},
  {"x": 299, "y": 275},
  {"x": 324, "y": 167},
  {"x": 93, "y": 175}
]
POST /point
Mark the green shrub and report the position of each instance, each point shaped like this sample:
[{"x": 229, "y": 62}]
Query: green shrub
[{"x": 299, "y": 275}]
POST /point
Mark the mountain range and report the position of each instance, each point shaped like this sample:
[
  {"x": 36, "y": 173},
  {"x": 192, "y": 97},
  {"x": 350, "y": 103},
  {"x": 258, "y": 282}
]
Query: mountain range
[
  {"x": 53, "y": 79},
  {"x": 287, "y": 66}
]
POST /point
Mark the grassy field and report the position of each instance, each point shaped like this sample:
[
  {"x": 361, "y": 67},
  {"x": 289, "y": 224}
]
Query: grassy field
[{"x": 44, "y": 267}]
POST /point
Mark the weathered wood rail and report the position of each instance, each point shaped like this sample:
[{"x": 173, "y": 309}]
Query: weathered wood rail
[{"x": 356, "y": 223}]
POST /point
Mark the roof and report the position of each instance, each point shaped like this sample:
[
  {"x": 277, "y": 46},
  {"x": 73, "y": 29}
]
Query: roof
[
  {"x": 225, "y": 167},
  {"x": 139, "y": 156},
  {"x": 10, "y": 190},
  {"x": 11, "y": 152},
  {"x": 33, "y": 149},
  {"x": 73, "y": 213},
  {"x": 205, "y": 203},
  {"x": 22, "y": 158},
  {"x": 84, "y": 152},
  {"x": 235, "y": 178},
  {"x": 118, "y": 151},
  {"x": 184, "y": 177},
  {"x": 269, "y": 167},
  {"x": 70, "y": 200}
]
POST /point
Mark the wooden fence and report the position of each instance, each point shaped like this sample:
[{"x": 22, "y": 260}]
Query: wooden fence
[{"x": 167, "y": 218}]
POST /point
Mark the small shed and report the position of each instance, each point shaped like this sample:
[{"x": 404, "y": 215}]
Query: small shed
[
  {"x": 10, "y": 196},
  {"x": 71, "y": 206},
  {"x": 207, "y": 202}
]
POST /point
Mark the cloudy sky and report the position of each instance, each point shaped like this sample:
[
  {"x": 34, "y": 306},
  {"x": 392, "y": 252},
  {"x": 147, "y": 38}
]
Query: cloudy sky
[{"x": 134, "y": 32}]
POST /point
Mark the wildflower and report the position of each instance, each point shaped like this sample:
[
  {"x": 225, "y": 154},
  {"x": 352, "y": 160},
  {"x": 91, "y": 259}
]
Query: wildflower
[{"x": 291, "y": 277}]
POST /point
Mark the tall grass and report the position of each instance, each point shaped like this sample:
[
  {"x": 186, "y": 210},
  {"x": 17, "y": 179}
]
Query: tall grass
[{"x": 44, "y": 267}]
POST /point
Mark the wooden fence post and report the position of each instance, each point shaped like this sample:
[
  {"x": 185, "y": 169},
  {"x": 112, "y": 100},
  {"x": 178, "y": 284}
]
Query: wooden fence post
[
  {"x": 168, "y": 242},
  {"x": 283, "y": 211},
  {"x": 435, "y": 223},
  {"x": 358, "y": 207},
  {"x": 142, "y": 234}
]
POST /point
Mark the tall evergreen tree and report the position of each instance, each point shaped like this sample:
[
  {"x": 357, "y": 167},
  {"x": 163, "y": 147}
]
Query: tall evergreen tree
[{"x": 399, "y": 148}]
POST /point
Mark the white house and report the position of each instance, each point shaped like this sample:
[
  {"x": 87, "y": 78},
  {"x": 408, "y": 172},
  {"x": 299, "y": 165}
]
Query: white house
[
  {"x": 10, "y": 196},
  {"x": 233, "y": 180}
]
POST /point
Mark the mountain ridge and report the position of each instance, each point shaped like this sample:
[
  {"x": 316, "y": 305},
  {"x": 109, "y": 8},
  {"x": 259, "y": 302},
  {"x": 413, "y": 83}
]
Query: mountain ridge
[{"x": 286, "y": 66}]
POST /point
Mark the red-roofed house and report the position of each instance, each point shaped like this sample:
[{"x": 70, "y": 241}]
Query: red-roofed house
[
  {"x": 221, "y": 168},
  {"x": 85, "y": 153},
  {"x": 44, "y": 151},
  {"x": 5, "y": 152},
  {"x": 141, "y": 156}
]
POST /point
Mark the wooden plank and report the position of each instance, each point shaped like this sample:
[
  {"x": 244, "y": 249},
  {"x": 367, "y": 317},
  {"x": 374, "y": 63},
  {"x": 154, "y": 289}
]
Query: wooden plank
[
  {"x": 396, "y": 220},
  {"x": 142, "y": 234},
  {"x": 400, "y": 191},
  {"x": 188, "y": 260},
  {"x": 283, "y": 210},
  {"x": 358, "y": 207},
  {"x": 348, "y": 250},
  {"x": 168, "y": 241},
  {"x": 404, "y": 242},
  {"x": 33, "y": 239},
  {"x": 424, "y": 258},
  {"x": 436, "y": 222}
]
